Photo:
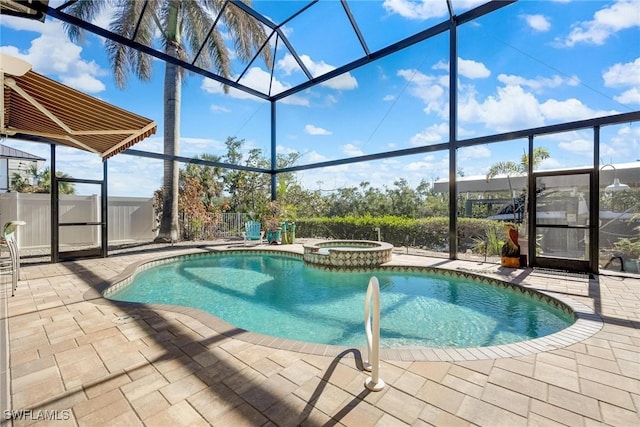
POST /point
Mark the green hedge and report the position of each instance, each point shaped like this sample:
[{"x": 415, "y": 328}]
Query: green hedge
[{"x": 427, "y": 233}]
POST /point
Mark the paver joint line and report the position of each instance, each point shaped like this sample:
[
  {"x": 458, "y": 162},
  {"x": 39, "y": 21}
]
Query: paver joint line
[{"x": 551, "y": 378}]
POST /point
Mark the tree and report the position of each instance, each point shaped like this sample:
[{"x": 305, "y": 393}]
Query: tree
[
  {"x": 182, "y": 26},
  {"x": 209, "y": 177},
  {"x": 40, "y": 182},
  {"x": 246, "y": 190}
]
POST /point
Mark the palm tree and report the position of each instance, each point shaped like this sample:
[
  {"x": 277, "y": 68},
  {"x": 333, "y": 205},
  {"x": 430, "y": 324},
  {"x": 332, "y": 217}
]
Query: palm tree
[
  {"x": 512, "y": 168},
  {"x": 182, "y": 27}
]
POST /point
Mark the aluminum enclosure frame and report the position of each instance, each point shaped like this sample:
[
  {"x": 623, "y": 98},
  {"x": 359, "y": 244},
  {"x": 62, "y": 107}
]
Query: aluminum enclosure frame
[{"x": 451, "y": 146}]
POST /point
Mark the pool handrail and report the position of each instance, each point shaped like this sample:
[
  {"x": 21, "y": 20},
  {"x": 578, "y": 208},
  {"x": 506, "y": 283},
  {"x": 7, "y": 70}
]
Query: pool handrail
[{"x": 372, "y": 364}]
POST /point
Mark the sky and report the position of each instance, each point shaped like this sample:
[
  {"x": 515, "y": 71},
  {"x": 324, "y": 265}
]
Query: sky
[{"x": 529, "y": 64}]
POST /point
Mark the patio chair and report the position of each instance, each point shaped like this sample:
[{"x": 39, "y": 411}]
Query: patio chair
[
  {"x": 11, "y": 266},
  {"x": 253, "y": 232}
]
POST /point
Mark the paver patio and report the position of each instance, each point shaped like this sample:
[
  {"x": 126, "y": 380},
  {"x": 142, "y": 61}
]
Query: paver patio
[{"x": 85, "y": 360}]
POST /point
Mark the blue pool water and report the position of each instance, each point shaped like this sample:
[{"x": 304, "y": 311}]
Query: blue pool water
[{"x": 278, "y": 296}]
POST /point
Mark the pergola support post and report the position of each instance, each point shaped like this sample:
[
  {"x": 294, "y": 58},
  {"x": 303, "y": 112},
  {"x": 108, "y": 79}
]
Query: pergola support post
[{"x": 55, "y": 218}]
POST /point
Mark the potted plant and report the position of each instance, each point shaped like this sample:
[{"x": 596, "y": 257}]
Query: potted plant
[
  {"x": 272, "y": 221},
  {"x": 629, "y": 250},
  {"x": 510, "y": 254}
]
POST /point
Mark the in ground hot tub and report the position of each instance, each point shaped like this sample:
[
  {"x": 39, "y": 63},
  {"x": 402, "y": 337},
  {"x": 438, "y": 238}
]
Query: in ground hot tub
[{"x": 347, "y": 253}]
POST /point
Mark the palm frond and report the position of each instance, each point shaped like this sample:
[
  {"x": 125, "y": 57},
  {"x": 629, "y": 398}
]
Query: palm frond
[
  {"x": 503, "y": 168},
  {"x": 86, "y": 10},
  {"x": 125, "y": 60}
]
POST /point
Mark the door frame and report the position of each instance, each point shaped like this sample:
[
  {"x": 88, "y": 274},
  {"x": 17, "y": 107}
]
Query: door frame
[
  {"x": 100, "y": 251},
  {"x": 591, "y": 264}
]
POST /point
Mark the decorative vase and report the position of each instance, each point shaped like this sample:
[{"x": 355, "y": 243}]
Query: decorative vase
[{"x": 288, "y": 232}]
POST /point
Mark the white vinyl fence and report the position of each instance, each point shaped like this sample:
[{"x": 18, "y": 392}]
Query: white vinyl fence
[{"x": 130, "y": 219}]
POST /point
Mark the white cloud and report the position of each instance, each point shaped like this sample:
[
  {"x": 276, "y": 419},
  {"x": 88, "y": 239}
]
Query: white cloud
[
  {"x": 429, "y": 167},
  {"x": 288, "y": 65},
  {"x": 475, "y": 152},
  {"x": 569, "y": 110},
  {"x": 416, "y": 9},
  {"x": 85, "y": 83},
  {"x": 285, "y": 150},
  {"x": 388, "y": 98},
  {"x": 539, "y": 83},
  {"x": 260, "y": 80},
  {"x": 219, "y": 108},
  {"x": 466, "y": 67},
  {"x": 190, "y": 146},
  {"x": 425, "y": 9},
  {"x": 537, "y": 22},
  {"x": 631, "y": 96},
  {"x": 314, "y": 130},
  {"x": 433, "y": 134},
  {"x": 620, "y": 75},
  {"x": 579, "y": 146},
  {"x": 472, "y": 69},
  {"x": 441, "y": 65},
  {"x": 315, "y": 157},
  {"x": 52, "y": 54},
  {"x": 427, "y": 89},
  {"x": 351, "y": 150},
  {"x": 621, "y": 15},
  {"x": 257, "y": 79},
  {"x": 551, "y": 163},
  {"x": 511, "y": 108},
  {"x": 335, "y": 177},
  {"x": 344, "y": 81},
  {"x": 623, "y": 146}
]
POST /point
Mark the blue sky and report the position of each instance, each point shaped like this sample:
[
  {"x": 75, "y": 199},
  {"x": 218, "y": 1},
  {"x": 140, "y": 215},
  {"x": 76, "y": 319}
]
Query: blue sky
[{"x": 529, "y": 64}]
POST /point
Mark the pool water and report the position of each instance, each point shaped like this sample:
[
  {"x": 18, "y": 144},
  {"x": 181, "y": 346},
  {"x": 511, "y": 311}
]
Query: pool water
[{"x": 279, "y": 296}]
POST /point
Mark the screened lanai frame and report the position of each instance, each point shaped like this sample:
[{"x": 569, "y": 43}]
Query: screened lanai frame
[{"x": 448, "y": 26}]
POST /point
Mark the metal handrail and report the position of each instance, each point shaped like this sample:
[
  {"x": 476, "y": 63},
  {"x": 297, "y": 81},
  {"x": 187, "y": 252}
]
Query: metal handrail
[{"x": 373, "y": 383}]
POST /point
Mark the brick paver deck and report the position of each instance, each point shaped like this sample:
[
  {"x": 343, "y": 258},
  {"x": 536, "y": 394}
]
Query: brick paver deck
[{"x": 87, "y": 361}]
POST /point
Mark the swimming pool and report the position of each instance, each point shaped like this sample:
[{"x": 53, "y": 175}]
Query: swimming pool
[{"x": 277, "y": 295}]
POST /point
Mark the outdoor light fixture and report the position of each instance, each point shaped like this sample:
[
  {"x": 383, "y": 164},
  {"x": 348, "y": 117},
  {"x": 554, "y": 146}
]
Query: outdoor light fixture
[{"x": 617, "y": 185}]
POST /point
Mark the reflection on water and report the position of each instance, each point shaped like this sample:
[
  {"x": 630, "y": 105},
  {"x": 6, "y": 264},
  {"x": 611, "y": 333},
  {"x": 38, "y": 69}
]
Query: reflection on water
[{"x": 278, "y": 295}]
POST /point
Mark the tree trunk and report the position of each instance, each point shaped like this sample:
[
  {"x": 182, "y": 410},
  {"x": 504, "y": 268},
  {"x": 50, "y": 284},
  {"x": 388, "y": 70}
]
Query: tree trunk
[{"x": 169, "y": 226}]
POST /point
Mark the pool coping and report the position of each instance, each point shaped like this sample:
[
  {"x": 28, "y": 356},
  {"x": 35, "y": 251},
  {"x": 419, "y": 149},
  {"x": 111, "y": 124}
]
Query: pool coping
[{"x": 587, "y": 323}]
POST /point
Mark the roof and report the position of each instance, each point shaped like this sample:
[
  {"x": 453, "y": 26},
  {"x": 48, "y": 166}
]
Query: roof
[
  {"x": 36, "y": 107},
  {"x": 626, "y": 172},
  {"x": 12, "y": 153}
]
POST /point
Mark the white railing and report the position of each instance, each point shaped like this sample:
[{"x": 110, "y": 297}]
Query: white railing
[{"x": 372, "y": 364}]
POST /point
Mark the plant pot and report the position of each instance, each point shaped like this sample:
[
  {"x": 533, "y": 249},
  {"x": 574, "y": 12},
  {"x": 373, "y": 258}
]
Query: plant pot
[
  {"x": 510, "y": 262},
  {"x": 632, "y": 265},
  {"x": 274, "y": 237},
  {"x": 288, "y": 232}
]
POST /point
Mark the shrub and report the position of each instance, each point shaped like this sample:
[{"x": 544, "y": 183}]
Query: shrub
[{"x": 427, "y": 233}]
